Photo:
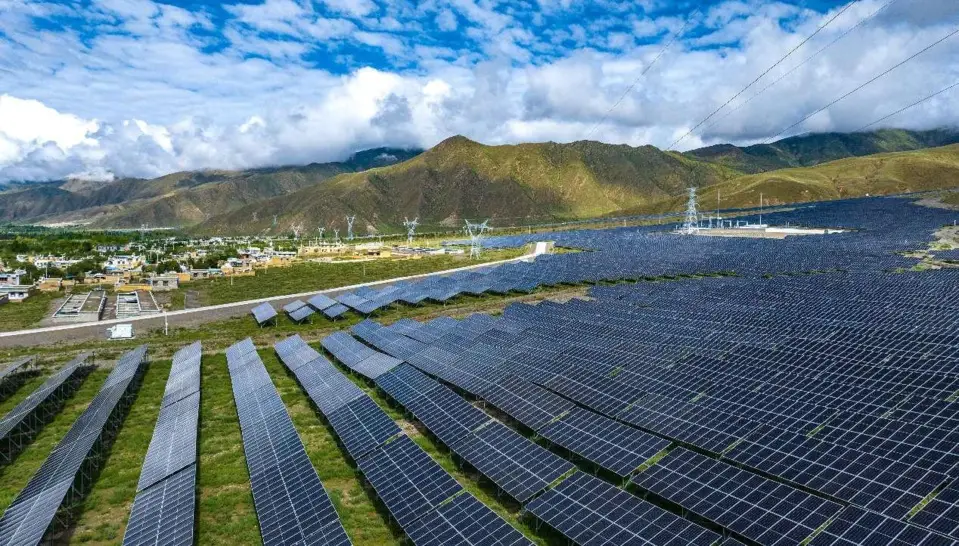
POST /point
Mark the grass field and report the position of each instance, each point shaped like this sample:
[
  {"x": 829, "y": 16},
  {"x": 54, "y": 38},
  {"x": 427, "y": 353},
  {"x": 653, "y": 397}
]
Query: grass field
[
  {"x": 306, "y": 277},
  {"x": 27, "y": 313}
]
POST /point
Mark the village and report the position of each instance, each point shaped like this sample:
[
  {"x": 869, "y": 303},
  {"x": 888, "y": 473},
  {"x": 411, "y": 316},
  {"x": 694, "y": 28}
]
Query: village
[{"x": 128, "y": 280}]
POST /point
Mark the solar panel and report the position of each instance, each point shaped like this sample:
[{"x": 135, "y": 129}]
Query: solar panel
[
  {"x": 529, "y": 404},
  {"x": 405, "y": 326},
  {"x": 263, "y": 313},
  {"x": 15, "y": 366},
  {"x": 405, "y": 383},
  {"x": 352, "y": 300},
  {"x": 326, "y": 386},
  {"x": 515, "y": 464},
  {"x": 335, "y": 311},
  {"x": 174, "y": 441},
  {"x": 408, "y": 481},
  {"x": 302, "y": 314},
  {"x": 164, "y": 514},
  {"x": 941, "y": 513},
  {"x": 616, "y": 447},
  {"x": 447, "y": 415},
  {"x": 464, "y": 521},
  {"x": 362, "y": 426},
  {"x": 376, "y": 365},
  {"x": 865, "y": 480},
  {"x": 588, "y": 510},
  {"x": 858, "y": 527},
  {"x": 755, "y": 507},
  {"x": 184, "y": 378},
  {"x": 346, "y": 348},
  {"x": 321, "y": 302},
  {"x": 293, "y": 306}
]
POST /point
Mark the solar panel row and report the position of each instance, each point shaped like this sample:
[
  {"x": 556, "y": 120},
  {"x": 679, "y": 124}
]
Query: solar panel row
[
  {"x": 22, "y": 423},
  {"x": 163, "y": 510},
  {"x": 34, "y": 512},
  {"x": 291, "y": 503}
]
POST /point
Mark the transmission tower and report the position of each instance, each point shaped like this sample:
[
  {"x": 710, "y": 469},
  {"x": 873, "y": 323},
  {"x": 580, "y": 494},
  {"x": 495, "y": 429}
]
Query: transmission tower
[
  {"x": 410, "y": 228},
  {"x": 691, "y": 225},
  {"x": 321, "y": 229},
  {"x": 336, "y": 235},
  {"x": 476, "y": 232},
  {"x": 349, "y": 227}
]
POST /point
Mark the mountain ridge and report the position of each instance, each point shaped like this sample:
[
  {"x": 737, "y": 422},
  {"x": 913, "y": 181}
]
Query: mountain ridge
[{"x": 457, "y": 178}]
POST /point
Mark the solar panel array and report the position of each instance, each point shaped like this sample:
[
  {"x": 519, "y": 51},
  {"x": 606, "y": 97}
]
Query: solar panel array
[
  {"x": 36, "y": 508},
  {"x": 164, "y": 508},
  {"x": 25, "y": 419},
  {"x": 831, "y": 389},
  {"x": 594, "y": 437},
  {"x": 518, "y": 466},
  {"x": 263, "y": 313},
  {"x": 291, "y": 504},
  {"x": 430, "y": 506}
]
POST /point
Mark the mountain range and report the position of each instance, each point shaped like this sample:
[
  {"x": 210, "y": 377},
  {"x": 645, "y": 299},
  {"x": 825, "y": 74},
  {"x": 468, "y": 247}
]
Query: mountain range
[{"x": 512, "y": 184}]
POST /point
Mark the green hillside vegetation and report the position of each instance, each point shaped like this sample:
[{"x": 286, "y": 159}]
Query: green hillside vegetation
[
  {"x": 177, "y": 199},
  {"x": 460, "y": 178},
  {"x": 880, "y": 174},
  {"x": 809, "y": 150},
  {"x": 514, "y": 185}
]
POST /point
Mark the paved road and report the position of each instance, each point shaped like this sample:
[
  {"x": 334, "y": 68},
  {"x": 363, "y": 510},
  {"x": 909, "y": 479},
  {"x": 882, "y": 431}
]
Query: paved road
[{"x": 190, "y": 317}]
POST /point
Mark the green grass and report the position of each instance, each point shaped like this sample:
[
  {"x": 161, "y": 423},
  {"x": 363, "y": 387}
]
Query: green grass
[
  {"x": 306, "y": 277},
  {"x": 225, "y": 513},
  {"x": 15, "y": 476},
  {"x": 105, "y": 510},
  {"x": 26, "y": 314}
]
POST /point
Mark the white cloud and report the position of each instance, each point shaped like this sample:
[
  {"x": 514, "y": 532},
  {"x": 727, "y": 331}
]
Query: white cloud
[
  {"x": 356, "y": 8},
  {"x": 161, "y": 96}
]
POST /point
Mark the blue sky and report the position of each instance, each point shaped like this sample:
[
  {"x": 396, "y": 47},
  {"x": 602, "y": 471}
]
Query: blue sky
[{"x": 102, "y": 88}]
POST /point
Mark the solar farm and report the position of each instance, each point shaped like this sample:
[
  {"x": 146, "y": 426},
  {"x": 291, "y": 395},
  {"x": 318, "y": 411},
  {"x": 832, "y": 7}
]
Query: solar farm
[{"x": 707, "y": 390}]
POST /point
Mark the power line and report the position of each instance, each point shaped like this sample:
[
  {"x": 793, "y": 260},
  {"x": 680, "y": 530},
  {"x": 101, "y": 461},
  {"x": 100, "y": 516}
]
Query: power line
[
  {"x": 643, "y": 73},
  {"x": 774, "y": 65},
  {"x": 798, "y": 66},
  {"x": 881, "y": 74},
  {"x": 904, "y": 108}
]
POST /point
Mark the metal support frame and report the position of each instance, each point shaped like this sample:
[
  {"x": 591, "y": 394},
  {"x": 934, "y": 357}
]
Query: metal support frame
[
  {"x": 32, "y": 423},
  {"x": 94, "y": 461}
]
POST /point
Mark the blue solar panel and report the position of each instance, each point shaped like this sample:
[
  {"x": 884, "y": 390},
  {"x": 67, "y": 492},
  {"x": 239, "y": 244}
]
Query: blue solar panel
[
  {"x": 263, "y": 313},
  {"x": 611, "y": 445},
  {"x": 588, "y": 510},
  {"x": 407, "y": 480},
  {"x": 515, "y": 464},
  {"x": 464, "y": 521}
]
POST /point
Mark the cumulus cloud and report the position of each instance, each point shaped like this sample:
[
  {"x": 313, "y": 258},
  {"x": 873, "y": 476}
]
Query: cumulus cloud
[{"x": 138, "y": 88}]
